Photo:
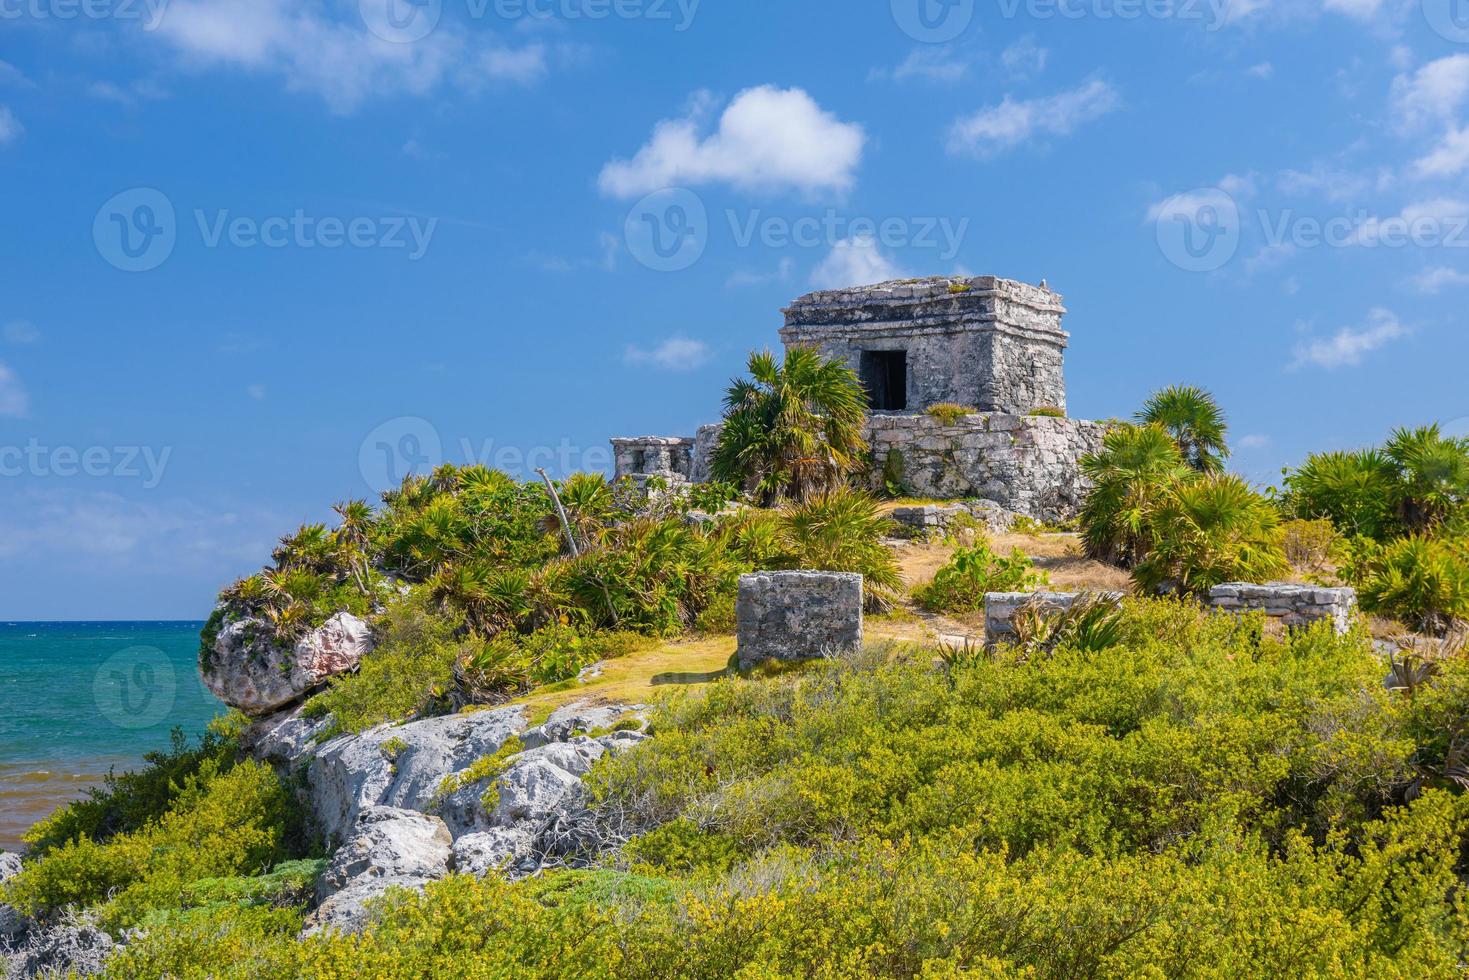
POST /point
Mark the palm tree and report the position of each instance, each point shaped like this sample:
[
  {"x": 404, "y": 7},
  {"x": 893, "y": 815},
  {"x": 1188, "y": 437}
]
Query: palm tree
[
  {"x": 1433, "y": 476},
  {"x": 793, "y": 428},
  {"x": 1209, "y": 530},
  {"x": 1134, "y": 468},
  {"x": 1196, "y": 422}
]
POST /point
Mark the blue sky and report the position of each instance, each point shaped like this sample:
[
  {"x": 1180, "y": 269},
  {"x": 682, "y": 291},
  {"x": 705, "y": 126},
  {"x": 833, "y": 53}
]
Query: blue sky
[{"x": 256, "y": 251}]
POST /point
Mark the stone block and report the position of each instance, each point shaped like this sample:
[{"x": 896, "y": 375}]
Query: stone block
[{"x": 797, "y": 615}]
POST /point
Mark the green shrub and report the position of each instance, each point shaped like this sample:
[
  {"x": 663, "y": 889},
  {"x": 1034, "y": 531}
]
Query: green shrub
[
  {"x": 222, "y": 823},
  {"x": 410, "y": 670},
  {"x": 1415, "y": 484},
  {"x": 1312, "y": 547},
  {"x": 1130, "y": 475},
  {"x": 960, "y": 585},
  {"x": 1047, "y": 412},
  {"x": 1194, "y": 419},
  {"x": 793, "y": 428},
  {"x": 511, "y": 664},
  {"x": 840, "y": 531},
  {"x": 948, "y": 413},
  {"x": 1421, "y": 581},
  {"x": 894, "y": 474},
  {"x": 127, "y": 801},
  {"x": 1207, "y": 531},
  {"x": 1352, "y": 490}
]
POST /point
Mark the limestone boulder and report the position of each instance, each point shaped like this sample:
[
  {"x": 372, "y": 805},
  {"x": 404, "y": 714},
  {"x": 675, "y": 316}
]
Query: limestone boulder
[
  {"x": 249, "y": 670},
  {"x": 388, "y": 847},
  {"x": 401, "y": 765}
]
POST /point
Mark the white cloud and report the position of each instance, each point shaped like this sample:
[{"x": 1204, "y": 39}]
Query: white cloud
[
  {"x": 1025, "y": 57},
  {"x": 1450, "y": 157},
  {"x": 767, "y": 138},
  {"x": 1334, "y": 185},
  {"x": 87, "y": 527},
  {"x": 339, "y": 60},
  {"x": 1253, "y": 442},
  {"x": 126, "y": 95},
  {"x": 857, "y": 261},
  {"x": 20, "y": 332},
  {"x": 1434, "y": 94},
  {"x": 15, "y": 401},
  {"x": 10, "y": 127},
  {"x": 933, "y": 64},
  {"x": 744, "y": 277},
  {"x": 1433, "y": 280},
  {"x": 256, "y": 392},
  {"x": 674, "y": 354},
  {"x": 1350, "y": 345},
  {"x": 1264, "y": 70},
  {"x": 1011, "y": 123}
]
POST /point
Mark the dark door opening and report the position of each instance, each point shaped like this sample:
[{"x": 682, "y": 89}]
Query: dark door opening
[{"x": 885, "y": 376}]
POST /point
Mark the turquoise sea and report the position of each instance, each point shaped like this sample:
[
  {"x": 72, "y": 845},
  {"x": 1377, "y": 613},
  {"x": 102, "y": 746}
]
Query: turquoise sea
[{"x": 79, "y": 698}]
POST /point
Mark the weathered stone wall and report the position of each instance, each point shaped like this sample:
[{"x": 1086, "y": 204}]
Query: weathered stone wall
[
  {"x": 1026, "y": 464},
  {"x": 797, "y": 615},
  {"x": 992, "y": 343},
  {"x": 669, "y": 457},
  {"x": 701, "y": 466},
  {"x": 931, "y": 519},
  {"x": 1000, "y": 608},
  {"x": 1295, "y": 605}
]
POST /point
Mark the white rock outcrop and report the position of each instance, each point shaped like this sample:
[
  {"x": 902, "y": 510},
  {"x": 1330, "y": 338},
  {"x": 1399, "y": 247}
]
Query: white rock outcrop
[
  {"x": 246, "y": 669},
  {"x": 389, "y": 847}
]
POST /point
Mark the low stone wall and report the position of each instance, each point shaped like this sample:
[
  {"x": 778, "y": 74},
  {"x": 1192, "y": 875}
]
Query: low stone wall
[
  {"x": 935, "y": 519},
  {"x": 1295, "y": 605},
  {"x": 797, "y": 615},
  {"x": 1000, "y": 608},
  {"x": 1026, "y": 464}
]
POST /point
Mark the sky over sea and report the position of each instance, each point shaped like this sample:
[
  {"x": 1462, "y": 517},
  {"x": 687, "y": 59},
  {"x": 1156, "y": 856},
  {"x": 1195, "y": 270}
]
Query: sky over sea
[{"x": 259, "y": 256}]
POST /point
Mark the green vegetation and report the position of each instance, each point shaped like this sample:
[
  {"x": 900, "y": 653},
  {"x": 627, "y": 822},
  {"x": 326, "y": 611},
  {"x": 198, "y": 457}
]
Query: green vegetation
[
  {"x": 949, "y": 412},
  {"x": 960, "y": 585},
  {"x": 1422, "y": 581},
  {"x": 1047, "y": 412},
  {"x": 1195, "y": 421},
  {"x": 1162, "y": 793},
  {"x": 839, "y": 531},
  {"x": 1417, "y": 483},
  {"x": 222, "y": 822},
  {"x": 793, "y": 429}
]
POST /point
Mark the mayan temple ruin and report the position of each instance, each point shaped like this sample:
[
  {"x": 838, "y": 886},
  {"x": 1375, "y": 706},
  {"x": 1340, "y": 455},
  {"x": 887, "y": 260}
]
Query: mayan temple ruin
[{"x": 992, "y": 345}]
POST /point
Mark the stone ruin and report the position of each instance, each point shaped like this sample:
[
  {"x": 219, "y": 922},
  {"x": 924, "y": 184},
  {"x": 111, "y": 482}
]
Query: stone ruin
[
  {"x": 991, "y": 346},
  {"x": 1293, "y": 605},
  {"x": 797, "y": 615}
]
